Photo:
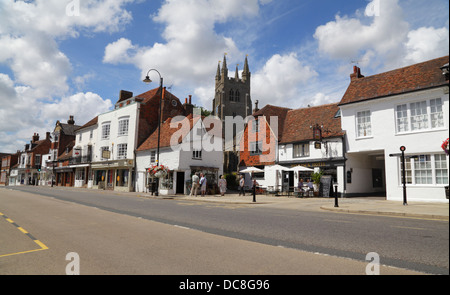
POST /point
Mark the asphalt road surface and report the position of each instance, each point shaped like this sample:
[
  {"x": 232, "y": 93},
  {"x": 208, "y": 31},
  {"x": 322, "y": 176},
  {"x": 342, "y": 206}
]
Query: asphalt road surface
[{"x": 122, "y": 234}]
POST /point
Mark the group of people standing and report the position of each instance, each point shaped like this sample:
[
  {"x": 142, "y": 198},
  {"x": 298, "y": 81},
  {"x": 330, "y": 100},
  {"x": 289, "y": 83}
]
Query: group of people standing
[{"x": 202, "y": 183}]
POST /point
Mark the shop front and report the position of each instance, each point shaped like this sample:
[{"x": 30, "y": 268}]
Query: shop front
[
  {"x": 113, "y": 175},
  {"x": 333, "y": 168}
]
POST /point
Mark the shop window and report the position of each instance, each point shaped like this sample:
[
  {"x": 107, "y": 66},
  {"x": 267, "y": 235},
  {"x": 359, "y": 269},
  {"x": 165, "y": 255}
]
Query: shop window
[{"x": 122, "y": 177}]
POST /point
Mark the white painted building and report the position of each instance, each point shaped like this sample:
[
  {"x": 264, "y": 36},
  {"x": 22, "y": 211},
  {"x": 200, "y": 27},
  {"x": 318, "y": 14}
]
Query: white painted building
[
  {"x": 104, "y": 152},
  {"x": 406, "y": 107},
  {"x": 187, "y": 146},
  {"x": 84, "y": 153}
]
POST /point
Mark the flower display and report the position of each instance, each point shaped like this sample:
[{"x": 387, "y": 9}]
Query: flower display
[
  {"x": 445, "y": 146},
  {"x": 158, "y": 171}
]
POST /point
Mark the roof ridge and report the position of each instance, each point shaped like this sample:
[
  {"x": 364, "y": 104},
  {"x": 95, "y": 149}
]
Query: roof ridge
[{"x": 403, "y": 68}]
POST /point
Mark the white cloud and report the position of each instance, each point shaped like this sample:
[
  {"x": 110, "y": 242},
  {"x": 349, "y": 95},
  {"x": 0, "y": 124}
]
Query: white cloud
[
  {"x": 117, "y": 52},
  {"x": 351, "y": 39},
  {"x": 279, "y": 82},
  {"x": 426, "y": 43},
  {"x": 383, "y": 41},
  {"x": 192, "y": 47},
  {"x": 84, "y": 106},
  {"x": 50, "y": 16},
  {"x": 29, "y": 34}
]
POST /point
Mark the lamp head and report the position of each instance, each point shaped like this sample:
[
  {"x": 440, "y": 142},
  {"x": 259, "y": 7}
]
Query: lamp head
[{"x": 147, "y": 80}]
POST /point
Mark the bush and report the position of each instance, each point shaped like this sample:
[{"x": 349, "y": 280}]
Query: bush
[
  {"x": 232, "y": 182},
  {"x": 316, "y": 176}
]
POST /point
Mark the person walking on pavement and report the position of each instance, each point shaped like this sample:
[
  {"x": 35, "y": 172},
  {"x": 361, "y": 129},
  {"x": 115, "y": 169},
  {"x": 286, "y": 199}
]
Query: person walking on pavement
[
  {"x": 241, "y": 186},
  {"x": 203, "y": 184},
  {"x": 222, "y": 185},
  {"x": 195, "y": 184}
]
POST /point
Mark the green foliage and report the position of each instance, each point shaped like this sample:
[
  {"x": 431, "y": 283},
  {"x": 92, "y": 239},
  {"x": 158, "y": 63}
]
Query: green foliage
[
  {"x": 316, "y": 176},
  {"x": 232, "y": 182}
]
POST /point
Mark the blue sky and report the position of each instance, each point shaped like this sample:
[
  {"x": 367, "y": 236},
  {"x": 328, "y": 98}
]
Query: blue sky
[{"x": 54, "y": 64}]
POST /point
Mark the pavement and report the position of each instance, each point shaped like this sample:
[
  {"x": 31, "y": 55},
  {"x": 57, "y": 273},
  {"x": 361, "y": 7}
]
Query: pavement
[{"x": 362, "y": 205}]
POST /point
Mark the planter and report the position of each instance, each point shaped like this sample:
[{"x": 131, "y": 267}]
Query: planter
[
  {"x": 160, "y": 174},
  {"x": 316, "y": 187}
]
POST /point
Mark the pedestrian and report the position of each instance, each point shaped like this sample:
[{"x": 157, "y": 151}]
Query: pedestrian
[
  {"x": 300, "y": 187},
  {"x": 203, "y": 184},
  {"x": 309, "y": 186},
  {"x": 222, "y": 185},
  {"x": 241, "y": 186},
  {"x": 195, "y": 184}
]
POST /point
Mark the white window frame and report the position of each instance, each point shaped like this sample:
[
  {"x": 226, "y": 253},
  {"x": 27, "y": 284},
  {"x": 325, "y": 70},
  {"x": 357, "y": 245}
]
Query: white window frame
[
  {"x": 122, "y": 151},
  {"x": 436, "y": 113},
  {"x": 152, "y": 157},
  {"x": 419, "y": 116},
  {"x": 300, "y": 150},
  {"x": 106, "y": 131},
  {"x": 426, "y": 166},
  {"x": 365, "y": 125},
  {"x": 402, "y": 118},
  {"x": 124, "y": 124},
  {"x": 417, "y": 120}
]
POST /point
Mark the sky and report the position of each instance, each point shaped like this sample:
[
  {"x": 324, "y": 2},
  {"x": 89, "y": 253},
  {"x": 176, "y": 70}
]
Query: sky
[{"x": 72, "y": 57}]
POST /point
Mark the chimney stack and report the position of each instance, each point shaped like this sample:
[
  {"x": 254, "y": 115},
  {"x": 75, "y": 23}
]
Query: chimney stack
[
  {"x": 70, "y": 121},
  {"x": 188, "y": 107},
  {"x": 35, "y": 138},
  {"x": 124, "y": 95},
  {"x": 356, "y": 73}
]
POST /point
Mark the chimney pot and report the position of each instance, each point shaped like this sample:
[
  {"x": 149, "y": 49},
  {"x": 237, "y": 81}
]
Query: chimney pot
[
  {"x": 190, "y": 99},
  {"x": 70, "y": 121}
]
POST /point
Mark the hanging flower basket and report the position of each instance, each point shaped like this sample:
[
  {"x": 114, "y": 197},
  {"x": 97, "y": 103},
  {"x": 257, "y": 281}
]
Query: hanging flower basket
[
  {"x": 445, "y": 146},
  {"x": 160, "y": 171}
]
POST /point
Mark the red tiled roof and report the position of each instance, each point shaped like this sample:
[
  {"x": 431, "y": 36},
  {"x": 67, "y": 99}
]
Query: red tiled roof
[
  {"x": 412, "y": 78},
  {"x": 297, "y": 126},
  {"x": 146, "y": 96},
  {"x": 167, "y": 132},
  {"x": 89, "y": 124},
  {"x": 274, "y": 111}
]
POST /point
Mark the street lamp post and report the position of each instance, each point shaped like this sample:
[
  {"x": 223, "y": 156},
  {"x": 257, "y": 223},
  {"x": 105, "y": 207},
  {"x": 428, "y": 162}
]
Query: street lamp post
[
  {"x": 147, "y": 80},
  {"x": 403, "y": 162}
]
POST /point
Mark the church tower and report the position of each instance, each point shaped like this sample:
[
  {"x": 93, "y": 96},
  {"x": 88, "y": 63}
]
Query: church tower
[
  {"x": 232, "y": 98},
  {"x": 232, "y": 95}
]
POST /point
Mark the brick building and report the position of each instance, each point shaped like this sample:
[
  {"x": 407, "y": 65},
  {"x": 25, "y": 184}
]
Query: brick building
[
  {"x": 30, "y": 159},
  {"x": 63, "y": 136},
  {"x": 7, "y": 162}
]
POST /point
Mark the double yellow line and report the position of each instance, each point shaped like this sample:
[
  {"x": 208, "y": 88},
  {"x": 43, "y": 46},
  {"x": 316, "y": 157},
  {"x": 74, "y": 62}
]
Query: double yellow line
[{"x": 39, "y": 243}]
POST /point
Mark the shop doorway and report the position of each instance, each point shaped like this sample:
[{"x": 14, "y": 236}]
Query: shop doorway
[
  {"x": 288, "y": 180},
  {"x": 110, "y": 182},
  {"x": 180, "y": 183}
]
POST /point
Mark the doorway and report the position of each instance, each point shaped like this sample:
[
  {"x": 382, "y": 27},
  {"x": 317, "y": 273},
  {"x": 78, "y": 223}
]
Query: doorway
[
  {"x": 180, "y": 183},
  {"x": 288, "y": 180},
  {"x": 110, "y": 183}
]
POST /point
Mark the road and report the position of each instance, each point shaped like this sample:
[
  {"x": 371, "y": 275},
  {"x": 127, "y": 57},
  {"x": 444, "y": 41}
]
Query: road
[{"x": 123, "y": 234}]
